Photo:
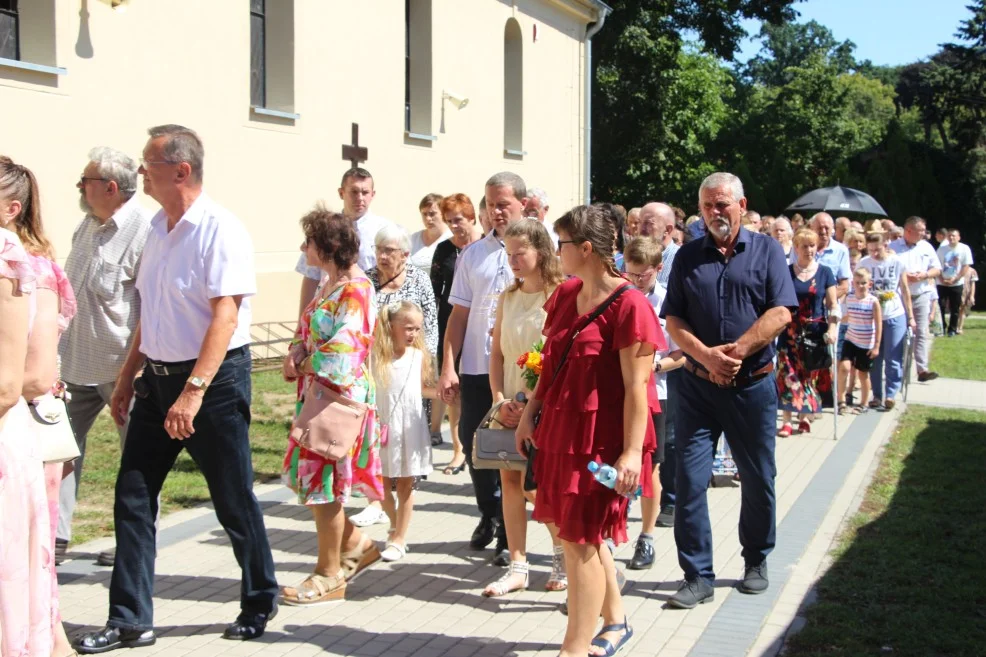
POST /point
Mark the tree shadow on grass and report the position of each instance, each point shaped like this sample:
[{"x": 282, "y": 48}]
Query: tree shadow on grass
[{"x": 911, "y": 582}]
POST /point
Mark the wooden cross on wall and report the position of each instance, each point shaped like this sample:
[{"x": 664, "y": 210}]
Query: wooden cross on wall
[{"x": 354, "y": 152}]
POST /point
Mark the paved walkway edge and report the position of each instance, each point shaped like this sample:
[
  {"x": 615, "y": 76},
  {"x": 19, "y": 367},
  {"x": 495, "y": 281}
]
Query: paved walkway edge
[
  {"x": 737, "y": 624},
  {"x": 787, "y": 617}
]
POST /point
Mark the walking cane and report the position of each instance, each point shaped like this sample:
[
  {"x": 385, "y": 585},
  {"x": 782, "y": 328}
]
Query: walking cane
[{"x": 835, "y": 393}]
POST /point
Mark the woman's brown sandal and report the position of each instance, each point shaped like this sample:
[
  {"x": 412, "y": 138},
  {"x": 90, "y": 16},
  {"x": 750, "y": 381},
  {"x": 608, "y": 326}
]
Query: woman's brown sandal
[
  {"x": 315, "y": 590},
  {"x": 358, "y": 559}
]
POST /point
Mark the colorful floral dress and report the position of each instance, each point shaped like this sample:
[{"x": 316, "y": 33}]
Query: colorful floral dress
[
  {"x": 26, "y": 557},
  {"x": 799, "y": 390},
  {"x": 337, "y": 329}
]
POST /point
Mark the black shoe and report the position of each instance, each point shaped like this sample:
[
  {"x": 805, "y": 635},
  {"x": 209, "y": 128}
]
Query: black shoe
[
  {"x": 927, "y": 376},
  {"x": 692, "y": 593},
  {"x": 502, "y": 558},
  {"x": 61, "y": 550},
  {"x": 666, "y": 517},
  {"x": 107, "y": 557},
  {"x": 754, "y": 579},
  {"x": 643, "y": 556},
  {"x": 249, "y": 626},
  {"x": 111, "y": 638},
  {"x": 483, "y": 535}
]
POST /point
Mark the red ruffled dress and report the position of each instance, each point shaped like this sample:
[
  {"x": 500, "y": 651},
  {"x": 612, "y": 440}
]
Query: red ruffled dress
[{"x": 582, "y": 414}]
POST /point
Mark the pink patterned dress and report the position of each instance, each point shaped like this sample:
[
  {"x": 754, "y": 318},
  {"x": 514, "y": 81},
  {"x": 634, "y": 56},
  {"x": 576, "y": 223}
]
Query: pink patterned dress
[
  {"x": 50, "y": 276},
  {"x": 26, "y": 557},
  {"x": 337, "y": 329}
]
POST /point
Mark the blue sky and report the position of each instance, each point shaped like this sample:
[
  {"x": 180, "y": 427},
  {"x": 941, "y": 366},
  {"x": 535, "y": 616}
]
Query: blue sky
[{"x": 887, "y": 32}]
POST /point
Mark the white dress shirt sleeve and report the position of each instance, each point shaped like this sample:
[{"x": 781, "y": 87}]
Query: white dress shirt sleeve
[{"x": 229, "y": 263}]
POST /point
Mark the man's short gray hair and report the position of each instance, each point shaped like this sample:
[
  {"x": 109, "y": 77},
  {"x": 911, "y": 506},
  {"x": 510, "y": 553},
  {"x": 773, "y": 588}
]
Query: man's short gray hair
[
  {"x": 722, "y": 179},
  {"x": 509, "y": 179},
  {"x": 393, "y": 234},
  {"x": 183, "y": 145},
  {"x": 540, "y": 195},
  {"x": 116, "y": 166}
]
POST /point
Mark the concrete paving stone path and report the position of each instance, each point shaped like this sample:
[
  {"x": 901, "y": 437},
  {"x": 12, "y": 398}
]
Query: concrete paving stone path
[{"x": 429, "y": 604}]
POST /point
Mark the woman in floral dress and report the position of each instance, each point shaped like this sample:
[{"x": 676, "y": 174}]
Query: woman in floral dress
[
  {"x": 799, "y": 389},
  {"x": 333, "y": 347}
]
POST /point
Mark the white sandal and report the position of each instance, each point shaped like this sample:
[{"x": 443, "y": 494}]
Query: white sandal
[
  {"x": 500, "y": 586},
  {"x": 558, "y": 581},
  {"x": 394, "y": 551}
]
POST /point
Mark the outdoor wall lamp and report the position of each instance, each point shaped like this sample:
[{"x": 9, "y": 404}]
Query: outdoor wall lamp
[{"x": 456, "y": 99}]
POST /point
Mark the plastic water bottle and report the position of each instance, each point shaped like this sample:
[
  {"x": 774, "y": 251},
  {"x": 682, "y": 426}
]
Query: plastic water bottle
[{"x": 606, "y": 475}]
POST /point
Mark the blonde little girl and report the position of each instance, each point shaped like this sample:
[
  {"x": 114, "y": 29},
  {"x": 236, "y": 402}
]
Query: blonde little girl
[{"x": 404, "y": 374}]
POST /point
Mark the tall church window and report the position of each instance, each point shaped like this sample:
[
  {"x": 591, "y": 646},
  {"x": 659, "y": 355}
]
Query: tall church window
[
  {"x": 258, "y": 56},
  {"x": 272, "y": 57},
  {"x": 417, "y": 68},
  {"x": 513, "y": 89}
]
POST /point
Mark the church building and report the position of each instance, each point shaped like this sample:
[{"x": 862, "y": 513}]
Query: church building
[{"x": 429, "y": 95}]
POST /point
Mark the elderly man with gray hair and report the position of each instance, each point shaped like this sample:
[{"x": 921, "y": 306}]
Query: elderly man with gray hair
[
  {"x": 102, "y": 267},
  {"x": 537, "y": 208}
]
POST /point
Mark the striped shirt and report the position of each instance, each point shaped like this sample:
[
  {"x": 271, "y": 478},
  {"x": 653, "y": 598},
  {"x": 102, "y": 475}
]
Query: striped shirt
[
  {"x": 102, "y": 267},
  {"x": 667, "y": 259},
  {"x": 862, "y": 326}
]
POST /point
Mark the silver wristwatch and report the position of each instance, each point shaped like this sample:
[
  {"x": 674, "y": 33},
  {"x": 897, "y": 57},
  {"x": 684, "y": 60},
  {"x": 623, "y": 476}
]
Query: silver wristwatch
[{"x": 198, "y": 382}]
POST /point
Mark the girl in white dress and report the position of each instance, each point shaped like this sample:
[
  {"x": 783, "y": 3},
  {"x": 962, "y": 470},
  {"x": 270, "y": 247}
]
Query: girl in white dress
[{"x": 404, "y": 375}]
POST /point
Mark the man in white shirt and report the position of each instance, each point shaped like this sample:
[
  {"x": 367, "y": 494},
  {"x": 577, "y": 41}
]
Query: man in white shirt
[
  {"x": 192, "y": 345},
  {"x": 357, "y": 193},
  {"x": 956, "y": 258},
  {"x": 102, "y": 267},
  {"x": 481, "y": 274},
  {"x": 835, "y": 256},
  {"x": 922, "y": 267}
]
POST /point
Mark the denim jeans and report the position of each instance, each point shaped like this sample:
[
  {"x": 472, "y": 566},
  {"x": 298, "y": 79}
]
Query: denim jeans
[
  {"x": 220, "y": 447},
  {"x": 748, "y": 416},
  {"x": 668, "y": 468},
  {"x": 891, "y": 359},
  {"x": 476, "y": 399},
  {"x": 84, "y": 405}
]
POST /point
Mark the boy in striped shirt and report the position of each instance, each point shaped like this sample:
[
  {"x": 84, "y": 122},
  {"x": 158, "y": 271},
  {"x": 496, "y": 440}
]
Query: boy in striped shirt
[{"x": 862, "y": 343}]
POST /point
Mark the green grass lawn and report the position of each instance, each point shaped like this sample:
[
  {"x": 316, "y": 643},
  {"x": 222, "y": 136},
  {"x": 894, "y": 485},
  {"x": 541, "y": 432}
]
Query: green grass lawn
[
  {"x": 273, "y": 406},
  {"x": 909, "y": 574},
  {"x": 962, "y": 357}
]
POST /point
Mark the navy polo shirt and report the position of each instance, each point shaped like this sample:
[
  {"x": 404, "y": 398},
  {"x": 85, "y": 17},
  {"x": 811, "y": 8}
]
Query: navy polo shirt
[{"x": 721, "y": 300}]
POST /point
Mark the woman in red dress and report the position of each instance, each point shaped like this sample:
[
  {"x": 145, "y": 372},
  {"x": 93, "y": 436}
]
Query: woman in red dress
[{"x": 599, "y": 409}]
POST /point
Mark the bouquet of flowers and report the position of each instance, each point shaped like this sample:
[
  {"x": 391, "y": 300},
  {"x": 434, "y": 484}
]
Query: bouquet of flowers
[
  {"x": 530, "y": 363},
  {"x": 885, "y": 297}
]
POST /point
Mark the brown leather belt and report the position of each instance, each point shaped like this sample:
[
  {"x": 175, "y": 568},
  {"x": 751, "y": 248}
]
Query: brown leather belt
[{"x": 739, "y": 382}]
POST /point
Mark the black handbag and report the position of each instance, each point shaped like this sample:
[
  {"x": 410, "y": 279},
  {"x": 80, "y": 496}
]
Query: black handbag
[{"x": 814, "y": 351}]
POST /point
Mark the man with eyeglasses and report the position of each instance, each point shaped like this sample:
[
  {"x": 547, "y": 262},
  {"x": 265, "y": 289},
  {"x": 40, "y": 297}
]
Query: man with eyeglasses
[
  {"x": 102, "y": 267},
  {"x": 482, "y": 273},
  {"x": 192, "y": 349},
  {"x": 357, "y": 192}
]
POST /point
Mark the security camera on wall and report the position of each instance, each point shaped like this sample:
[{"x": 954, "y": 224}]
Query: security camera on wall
[{"x": 457, "y": 99}]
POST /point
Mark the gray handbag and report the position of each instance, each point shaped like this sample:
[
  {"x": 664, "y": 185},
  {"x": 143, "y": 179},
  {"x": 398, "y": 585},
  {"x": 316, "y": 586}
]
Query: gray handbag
[{"x": 496, "y": 449}]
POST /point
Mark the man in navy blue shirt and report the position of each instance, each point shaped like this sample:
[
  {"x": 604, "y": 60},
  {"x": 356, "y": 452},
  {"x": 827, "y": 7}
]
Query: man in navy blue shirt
[{"x": 729, "y": 296}]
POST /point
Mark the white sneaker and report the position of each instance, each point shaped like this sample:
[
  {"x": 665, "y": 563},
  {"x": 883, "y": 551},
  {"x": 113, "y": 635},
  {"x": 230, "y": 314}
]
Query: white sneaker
[{"x": 371, "y": 515}]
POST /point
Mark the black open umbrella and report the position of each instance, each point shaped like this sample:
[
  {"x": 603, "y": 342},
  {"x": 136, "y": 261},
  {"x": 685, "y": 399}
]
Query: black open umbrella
[{"x": 837, "y": 199}]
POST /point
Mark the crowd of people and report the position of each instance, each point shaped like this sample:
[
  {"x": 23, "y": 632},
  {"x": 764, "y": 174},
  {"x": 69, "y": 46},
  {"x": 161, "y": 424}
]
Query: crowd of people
[{"x": 627, "y": 343}]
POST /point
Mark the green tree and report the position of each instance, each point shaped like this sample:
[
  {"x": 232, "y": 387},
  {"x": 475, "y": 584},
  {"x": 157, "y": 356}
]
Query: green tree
[
  {"x": 637, "y": 128},
  {"x": 791, "y": 45}
]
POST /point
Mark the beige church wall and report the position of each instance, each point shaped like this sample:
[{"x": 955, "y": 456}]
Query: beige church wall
[{"x": 187, "y": 61}]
